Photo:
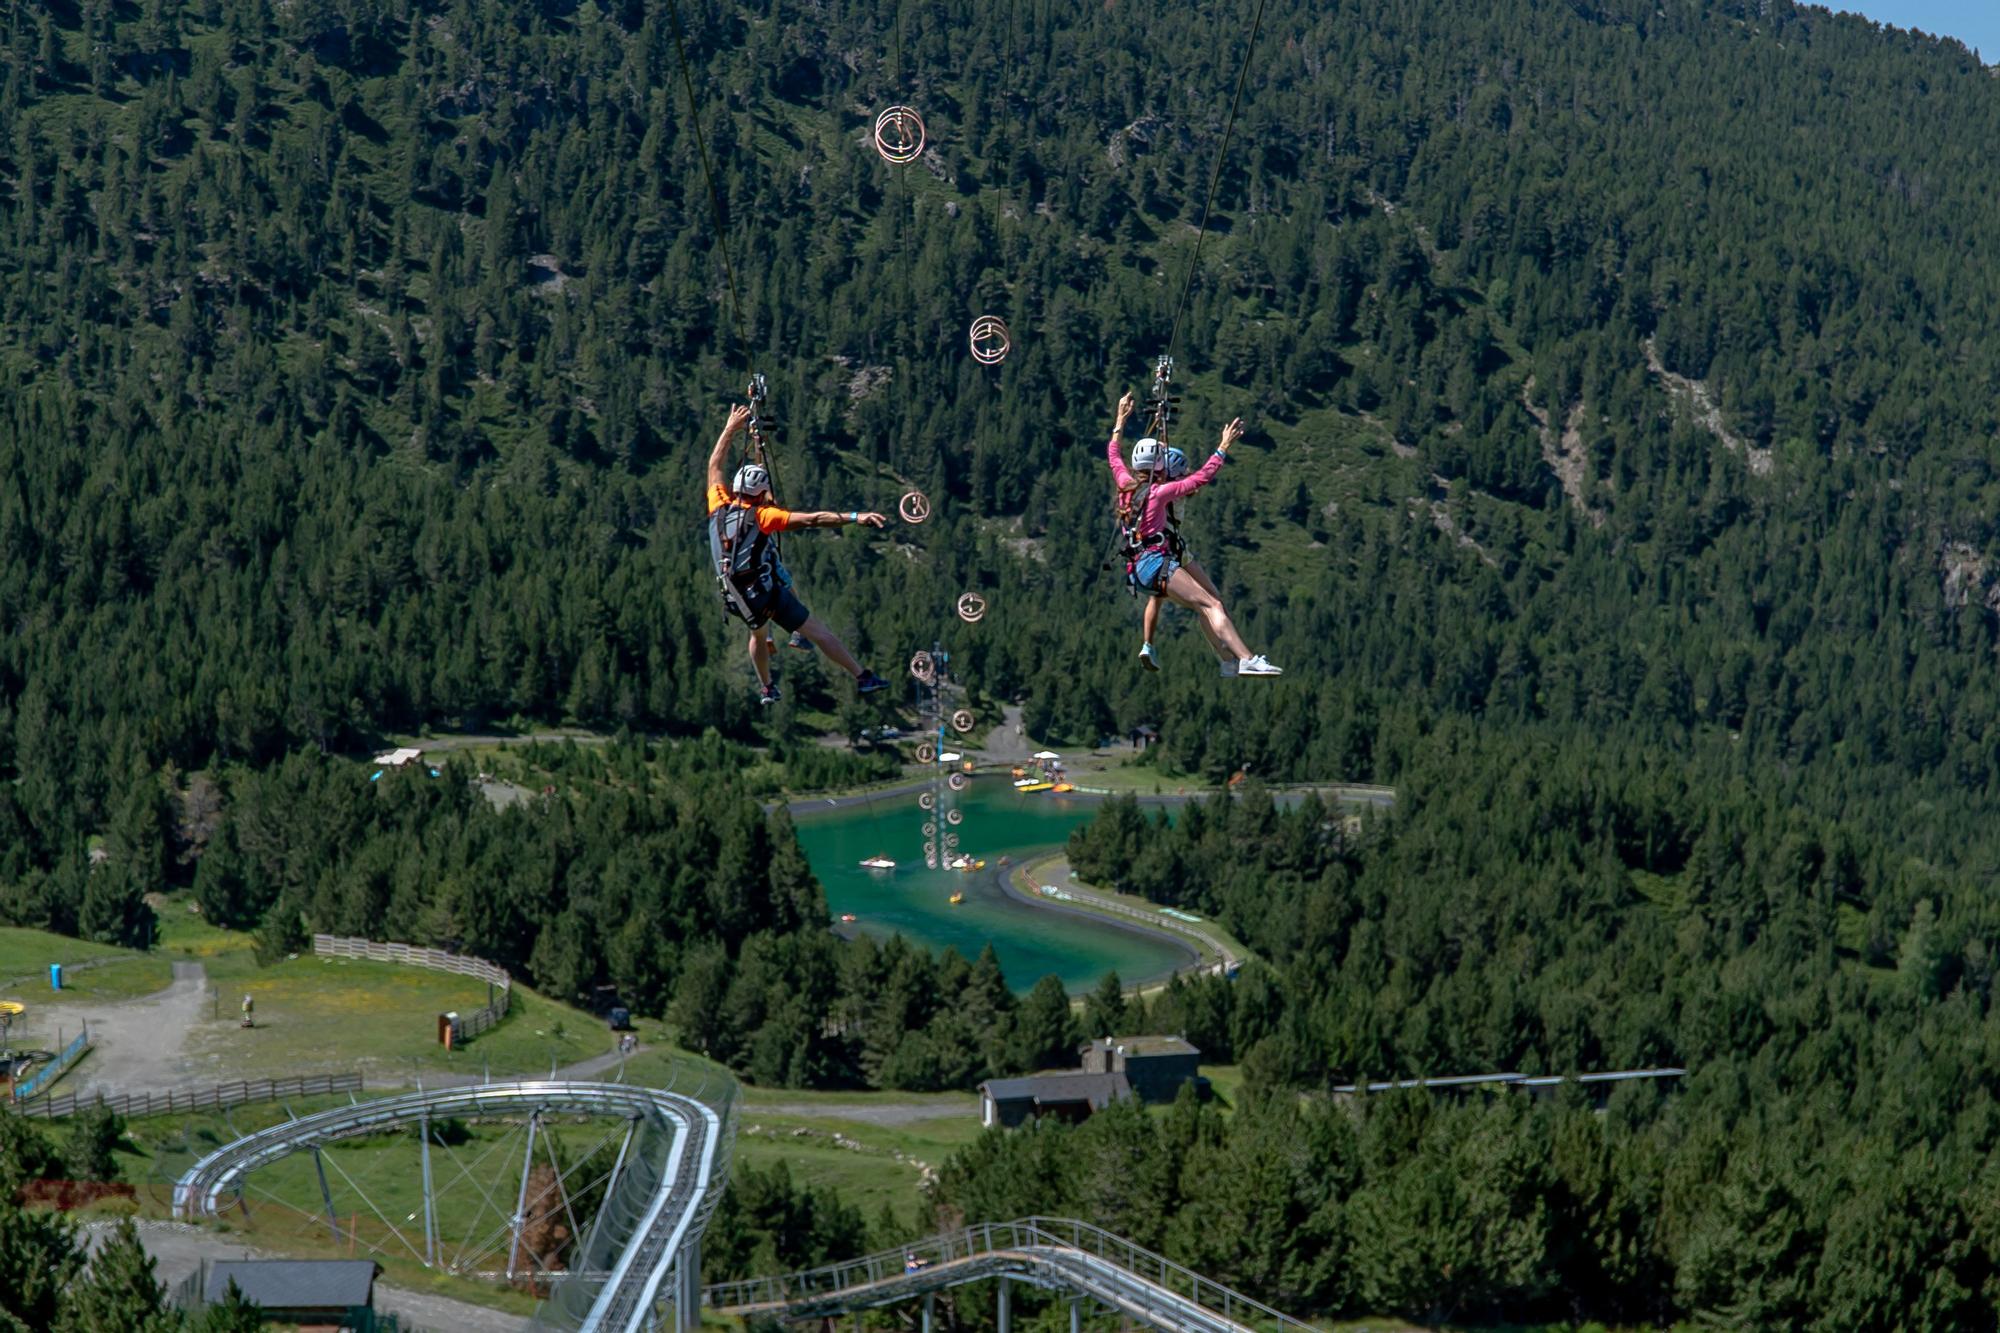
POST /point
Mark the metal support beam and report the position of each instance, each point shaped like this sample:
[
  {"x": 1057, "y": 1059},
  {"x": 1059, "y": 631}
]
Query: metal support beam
[
  {"x": 689, "y": 1299},
  {"x": 1076, "y": 1317},
  {"x": 930, "y": 1309},
  {"x": 521, "y": 1203},
  {"x": 1006, "y": 1306},
  {"x": 332, "y": 1222},
  {"x": 430, "y": 1197},
  {"x": 610, "y": 1191}
]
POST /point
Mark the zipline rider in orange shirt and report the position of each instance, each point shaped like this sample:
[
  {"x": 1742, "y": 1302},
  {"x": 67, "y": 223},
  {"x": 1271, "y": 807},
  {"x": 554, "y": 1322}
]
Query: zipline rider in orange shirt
[{"x": 742, "y": 521}]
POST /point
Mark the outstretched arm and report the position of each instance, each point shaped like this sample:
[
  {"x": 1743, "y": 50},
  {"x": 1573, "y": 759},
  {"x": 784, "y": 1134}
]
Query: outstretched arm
[
  {"x": 1114, "y": 452},
  {"x": 828, "y": 518},
  {"x": 737, "y": 416},
  {"x": 1169, "y": 491}
]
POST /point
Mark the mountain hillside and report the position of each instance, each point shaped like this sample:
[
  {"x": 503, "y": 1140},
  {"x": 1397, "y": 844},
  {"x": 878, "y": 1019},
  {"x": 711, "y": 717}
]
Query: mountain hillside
[{"x": 1621, "y": 379}]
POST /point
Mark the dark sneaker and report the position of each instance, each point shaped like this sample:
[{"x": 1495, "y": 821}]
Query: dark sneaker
[
  {"x": 868, "y": 682},
  {"x": 769, "y": 695},
  {"x": 800, "y": 642}
]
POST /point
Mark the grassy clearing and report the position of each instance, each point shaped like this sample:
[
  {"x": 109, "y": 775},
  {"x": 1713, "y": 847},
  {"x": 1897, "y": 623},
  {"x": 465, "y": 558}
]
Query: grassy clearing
[
  {"x": 1226, "y": 1082},
  {"x": 754, "y": 1098},
  {"x": 1667, "y": 891},
  {"x": 107, "y": 973},
  {"x": 320, "y": 1015},
  {"x": 870, "y": 1166}
]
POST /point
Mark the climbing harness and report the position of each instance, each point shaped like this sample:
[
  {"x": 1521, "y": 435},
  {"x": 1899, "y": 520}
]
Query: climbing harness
[{"x": 747, "y": 559}]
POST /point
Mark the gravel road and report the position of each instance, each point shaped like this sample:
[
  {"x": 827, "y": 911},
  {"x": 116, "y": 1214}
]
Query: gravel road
[{"x": 137, "y": 1045}]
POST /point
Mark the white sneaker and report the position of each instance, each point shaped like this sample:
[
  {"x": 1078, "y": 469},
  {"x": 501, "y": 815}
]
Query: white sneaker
[
  {"x": 1229, "y": 668},
  {"x": 1146, "y": 658},
  {"x": 1255, "y": 665}
]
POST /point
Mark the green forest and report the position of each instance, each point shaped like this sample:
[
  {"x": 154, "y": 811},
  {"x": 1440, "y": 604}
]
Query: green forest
[{"x": 1620, "y": 487}]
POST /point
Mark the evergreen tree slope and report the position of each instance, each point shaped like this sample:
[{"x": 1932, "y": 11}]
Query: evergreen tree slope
[{"x": 358, "y": 357}]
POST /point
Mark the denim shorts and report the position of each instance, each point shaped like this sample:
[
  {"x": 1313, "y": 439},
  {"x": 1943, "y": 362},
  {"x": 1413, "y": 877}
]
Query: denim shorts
[{"x": 1152, "y": 570}]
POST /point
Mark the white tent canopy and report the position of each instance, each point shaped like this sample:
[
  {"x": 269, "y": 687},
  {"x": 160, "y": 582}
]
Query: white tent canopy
[{"x": 1047, "y": 754}]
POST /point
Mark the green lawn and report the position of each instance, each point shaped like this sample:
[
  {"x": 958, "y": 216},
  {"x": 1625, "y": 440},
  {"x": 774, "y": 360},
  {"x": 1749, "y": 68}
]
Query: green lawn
[
  {"x": 111, "y": 974},
  {"x": 867, "y": 1165},
  {"x": 330, "y": 1015},
  {"x": 1226, "y": 1081},
  {"x": 754, "y": 1098}
]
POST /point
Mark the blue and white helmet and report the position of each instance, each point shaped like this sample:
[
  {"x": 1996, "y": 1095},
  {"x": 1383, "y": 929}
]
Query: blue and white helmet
[
  {"x": 1175, "y": 463},
  {"x": 751, "y": 480},
  {"x": 1146, "y": 455}
]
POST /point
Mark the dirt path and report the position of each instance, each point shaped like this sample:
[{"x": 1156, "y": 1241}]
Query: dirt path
[
  {"x": 137, "y": 1045},
  {"x": 1007, "y": 743},
  {"x": 177, "y": 1249}
]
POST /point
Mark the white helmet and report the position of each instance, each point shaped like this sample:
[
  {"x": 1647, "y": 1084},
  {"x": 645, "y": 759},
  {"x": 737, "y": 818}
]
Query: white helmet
[
  {"x": 1146, "y": 455},
  {"x": 1175, "y": 462},
  {"x": 751, "y": 480}
]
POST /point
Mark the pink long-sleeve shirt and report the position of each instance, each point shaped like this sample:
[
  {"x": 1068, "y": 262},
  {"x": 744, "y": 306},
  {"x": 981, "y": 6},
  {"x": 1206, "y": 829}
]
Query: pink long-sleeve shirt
[{"x": 1161, "y": 494}]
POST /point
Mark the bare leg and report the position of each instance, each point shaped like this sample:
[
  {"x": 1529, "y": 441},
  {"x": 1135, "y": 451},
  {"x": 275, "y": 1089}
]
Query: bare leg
[
  {"x": 1208, "y": 586},
  {"x": 1152, "y": 618},
  {"x": 829, "y": 643},
  {"x": 760, "y": 656},
  {"x": 1221, "y": 630}
]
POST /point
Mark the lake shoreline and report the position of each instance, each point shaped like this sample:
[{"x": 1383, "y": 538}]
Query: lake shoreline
[
  {"x": 1008, "y": 915},
  {"x": 1001, "y": 877}
]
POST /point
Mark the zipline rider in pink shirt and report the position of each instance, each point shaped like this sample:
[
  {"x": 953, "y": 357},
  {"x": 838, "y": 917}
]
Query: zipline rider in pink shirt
[{"x": 1144, "y": 492}]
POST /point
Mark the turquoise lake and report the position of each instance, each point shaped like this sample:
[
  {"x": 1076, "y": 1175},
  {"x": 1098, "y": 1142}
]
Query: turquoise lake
[{"x": 1032, "y": 941}]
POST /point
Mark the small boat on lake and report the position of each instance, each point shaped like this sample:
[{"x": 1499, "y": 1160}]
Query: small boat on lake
[{"x": 878, "y": 862}]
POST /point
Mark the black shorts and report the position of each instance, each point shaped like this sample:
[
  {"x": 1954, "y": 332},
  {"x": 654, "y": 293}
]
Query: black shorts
[
  {"x": 786, "y": 608},
  {"x": 780, "y": 604}
]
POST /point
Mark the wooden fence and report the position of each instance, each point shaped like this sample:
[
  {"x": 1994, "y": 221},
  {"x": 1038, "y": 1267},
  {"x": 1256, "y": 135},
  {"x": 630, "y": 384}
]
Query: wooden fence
[
  {"x": 467, "y": 1025},
  {"x": 414, "y": 955},
  {"x": 217, "y": 1097}
]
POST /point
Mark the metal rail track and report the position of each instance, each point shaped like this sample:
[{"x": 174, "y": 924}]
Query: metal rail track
[
  {"x": 1055, "y": 1253},
  {"x": 648, "y": 1233}
]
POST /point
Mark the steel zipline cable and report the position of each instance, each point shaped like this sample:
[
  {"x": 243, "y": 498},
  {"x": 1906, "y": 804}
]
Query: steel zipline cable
[
  {"x": 1215, "y": 176},
  {"x": 722, "y": 244}
]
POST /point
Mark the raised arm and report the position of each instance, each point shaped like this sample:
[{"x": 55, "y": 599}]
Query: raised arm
[
  {"x": 1114, "y": 452},
  {"x": 1169, "y": 491},
  {"x": 737, "y": 416}
]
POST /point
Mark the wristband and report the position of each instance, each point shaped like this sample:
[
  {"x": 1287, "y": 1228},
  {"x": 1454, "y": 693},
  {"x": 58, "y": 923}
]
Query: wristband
[{"x": 853, "y": 516}]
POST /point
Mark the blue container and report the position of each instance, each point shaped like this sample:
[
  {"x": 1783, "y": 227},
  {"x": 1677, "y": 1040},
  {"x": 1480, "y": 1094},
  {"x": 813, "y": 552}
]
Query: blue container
[{"x": 55, "y": 976}]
